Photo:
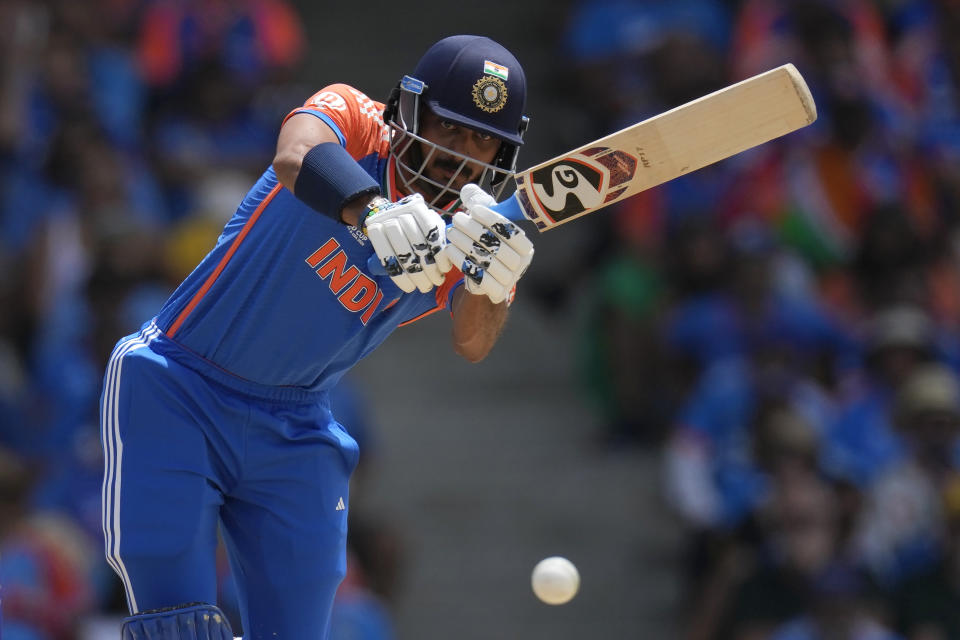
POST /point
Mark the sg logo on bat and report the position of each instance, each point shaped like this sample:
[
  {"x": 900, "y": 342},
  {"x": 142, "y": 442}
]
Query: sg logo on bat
[{"x": 569, "y": 186}]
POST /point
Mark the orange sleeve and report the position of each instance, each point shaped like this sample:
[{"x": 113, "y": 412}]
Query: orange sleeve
[
  {"x": 453, "y": 278},
  {"x": 357, "y": 120}
]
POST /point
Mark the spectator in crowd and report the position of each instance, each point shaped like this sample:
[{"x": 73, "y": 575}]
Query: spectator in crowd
[
  {"x": 862, "y": 442},
  {"x": 45, "y": 562},
  {"x": 902, "y": 525},
  {"x": 758, "y": 585},
  {"x": 840, "y": 608},
  {"x": 926, "y": 605}
]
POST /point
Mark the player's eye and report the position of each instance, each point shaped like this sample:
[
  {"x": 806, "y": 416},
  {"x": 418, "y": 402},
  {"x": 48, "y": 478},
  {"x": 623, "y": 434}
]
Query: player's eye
[
  {"x": 446, "y": 124},
  {"x": 484, "y": 136}
]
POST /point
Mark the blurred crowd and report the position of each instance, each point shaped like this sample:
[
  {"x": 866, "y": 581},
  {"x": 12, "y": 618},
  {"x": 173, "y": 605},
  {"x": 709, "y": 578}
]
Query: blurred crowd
[
  {"x": 784, "y": 326},
  {"x": 129, "y": 131}
]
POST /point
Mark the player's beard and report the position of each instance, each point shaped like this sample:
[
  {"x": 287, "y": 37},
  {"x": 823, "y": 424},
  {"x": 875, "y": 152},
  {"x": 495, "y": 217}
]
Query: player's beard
[
  {"x": 443, "y": 168},
  {"x": 440, "y": 168}
]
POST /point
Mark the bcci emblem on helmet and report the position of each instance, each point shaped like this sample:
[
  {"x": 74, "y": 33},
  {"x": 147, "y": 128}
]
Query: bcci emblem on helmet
[{"x": 490, "y": 94}]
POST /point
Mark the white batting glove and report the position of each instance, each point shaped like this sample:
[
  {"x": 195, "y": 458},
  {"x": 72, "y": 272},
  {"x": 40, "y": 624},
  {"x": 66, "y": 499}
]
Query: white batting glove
[
  {"x": 491, "y": 251},
  {"x": 408, "y": 238}
]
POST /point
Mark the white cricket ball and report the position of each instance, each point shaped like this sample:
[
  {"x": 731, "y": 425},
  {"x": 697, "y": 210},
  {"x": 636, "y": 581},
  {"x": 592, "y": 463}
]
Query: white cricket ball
[{"x": 555, "y": 580}]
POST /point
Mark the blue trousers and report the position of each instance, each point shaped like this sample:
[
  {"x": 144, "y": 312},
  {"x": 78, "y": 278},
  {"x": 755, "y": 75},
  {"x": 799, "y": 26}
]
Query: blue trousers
[{"x": 189, "y": 447}]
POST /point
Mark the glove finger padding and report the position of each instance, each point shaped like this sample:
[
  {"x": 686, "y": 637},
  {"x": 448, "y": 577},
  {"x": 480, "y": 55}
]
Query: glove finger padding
[
  {"x": 396, "y": 231},
  {"x": 423, "y": 255},
  {"x": 434, "y": 230},
  {"x": 388, "y": 258},
  {"x": 408, "y": 237},
  {"x": 477, "y": 279},
  {"x": 492, "y": 251},
  {"x": 472, "y": 195},
  {"x": 487, "y": 239},
  {"x": 481, "y": 256},
  {"x": 513, "y": 235}
]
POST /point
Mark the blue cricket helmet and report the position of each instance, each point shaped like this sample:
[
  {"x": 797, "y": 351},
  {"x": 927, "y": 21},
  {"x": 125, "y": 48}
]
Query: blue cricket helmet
[
  {"x": 470, "y": 81},
  {"x": 477, "y": 83}
]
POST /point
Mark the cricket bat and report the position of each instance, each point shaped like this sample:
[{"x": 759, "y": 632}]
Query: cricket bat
[{"x": 659, "y": 149}]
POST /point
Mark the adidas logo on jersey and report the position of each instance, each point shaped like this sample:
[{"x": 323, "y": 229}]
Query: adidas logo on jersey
[{"x": 340, "y": 505}]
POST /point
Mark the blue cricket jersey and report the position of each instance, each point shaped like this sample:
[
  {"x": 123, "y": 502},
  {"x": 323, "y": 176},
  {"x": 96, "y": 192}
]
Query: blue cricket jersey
[{"x": 285, "y": 298}]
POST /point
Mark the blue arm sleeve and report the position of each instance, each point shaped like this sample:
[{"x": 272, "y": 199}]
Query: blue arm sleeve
[{"x": 329, "y": 178}]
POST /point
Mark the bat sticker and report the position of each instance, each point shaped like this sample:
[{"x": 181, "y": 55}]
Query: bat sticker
[{"x": 569, "y": 186}]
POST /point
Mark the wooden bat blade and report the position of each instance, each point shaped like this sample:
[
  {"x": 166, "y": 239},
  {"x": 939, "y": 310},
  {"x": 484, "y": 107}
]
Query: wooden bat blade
[{"x": 674, "y": 143}]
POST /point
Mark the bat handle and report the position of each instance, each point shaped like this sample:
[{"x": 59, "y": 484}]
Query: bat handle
[{"x": 509, "y": 208}]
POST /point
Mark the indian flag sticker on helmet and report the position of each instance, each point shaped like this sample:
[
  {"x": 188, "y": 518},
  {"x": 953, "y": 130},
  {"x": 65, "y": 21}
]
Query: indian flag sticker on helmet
[
  {"x": 490, "y": 94},
  {"x": 494, "y": 69}
]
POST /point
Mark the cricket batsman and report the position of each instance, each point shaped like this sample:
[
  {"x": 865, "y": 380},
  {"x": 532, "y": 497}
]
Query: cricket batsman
[{"x": 216, "y": 413}]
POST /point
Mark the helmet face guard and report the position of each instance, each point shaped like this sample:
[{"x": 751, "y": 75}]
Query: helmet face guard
[
  {"x": 413, "y": 153},
  {"x": 469, "y": 81}
]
